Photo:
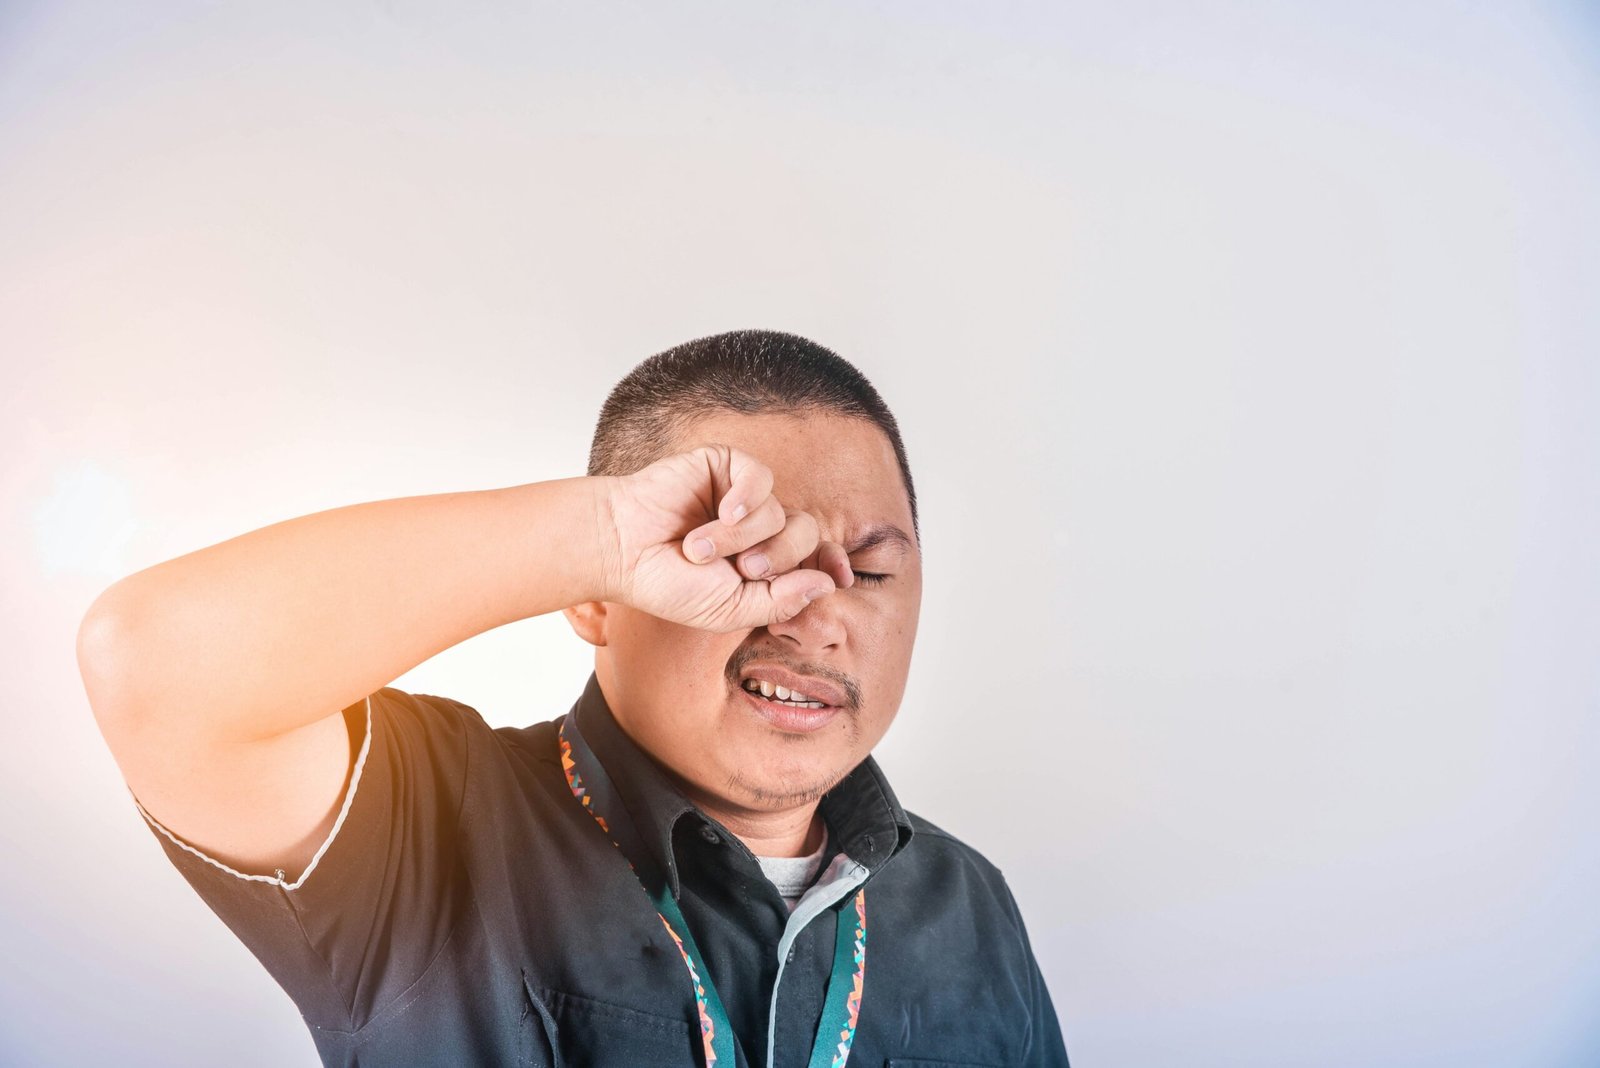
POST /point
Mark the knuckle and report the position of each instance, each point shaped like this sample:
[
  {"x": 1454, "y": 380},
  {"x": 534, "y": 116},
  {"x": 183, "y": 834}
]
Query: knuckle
[
  {"x": 769, "y": 519},
  {"x": 806, "y": 537},
  {"x": 747, "y": 462}
]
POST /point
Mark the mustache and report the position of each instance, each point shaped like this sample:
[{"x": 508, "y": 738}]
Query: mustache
[{"x": 851, "y": 688}]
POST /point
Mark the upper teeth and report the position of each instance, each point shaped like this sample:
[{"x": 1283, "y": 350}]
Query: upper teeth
[{"x": 768, "y": 689}]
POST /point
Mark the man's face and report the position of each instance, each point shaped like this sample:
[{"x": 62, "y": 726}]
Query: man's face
[{"x": 676, "y": 690}]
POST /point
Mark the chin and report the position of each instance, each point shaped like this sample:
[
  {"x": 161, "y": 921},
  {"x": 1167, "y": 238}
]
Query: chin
[{"x": 780, "y": 784}]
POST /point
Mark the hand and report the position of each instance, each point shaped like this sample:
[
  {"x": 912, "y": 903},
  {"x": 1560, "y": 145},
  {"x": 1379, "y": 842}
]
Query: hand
[{"x": 692, "y": 531}]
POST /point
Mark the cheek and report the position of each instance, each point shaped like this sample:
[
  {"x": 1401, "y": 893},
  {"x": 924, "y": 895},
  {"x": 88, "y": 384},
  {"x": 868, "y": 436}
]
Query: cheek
[
  {"x": 886, "y": 628},
  {"x": 882, "y": 636},
  {"x": 672, "y": 661}
]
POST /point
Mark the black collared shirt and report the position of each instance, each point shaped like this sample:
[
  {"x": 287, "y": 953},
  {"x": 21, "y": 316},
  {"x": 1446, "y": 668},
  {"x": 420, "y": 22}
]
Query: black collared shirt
[{"x": 466, "y": 910}]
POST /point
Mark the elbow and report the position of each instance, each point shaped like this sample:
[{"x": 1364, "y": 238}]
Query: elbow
[{"x": 108, "y": 655}]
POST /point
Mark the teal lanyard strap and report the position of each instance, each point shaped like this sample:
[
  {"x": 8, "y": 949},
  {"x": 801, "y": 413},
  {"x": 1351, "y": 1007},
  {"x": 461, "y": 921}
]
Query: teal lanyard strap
[
  {"x": 836, "y": 1032},
  {"x": 841, "y": 1005}
]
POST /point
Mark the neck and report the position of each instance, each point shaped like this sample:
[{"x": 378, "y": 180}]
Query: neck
[{"x": 793, "y": 832}]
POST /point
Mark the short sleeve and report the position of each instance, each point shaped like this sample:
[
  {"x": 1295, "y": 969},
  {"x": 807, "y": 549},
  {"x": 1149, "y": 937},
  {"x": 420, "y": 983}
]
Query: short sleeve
[{"x": 382, "y": 893}]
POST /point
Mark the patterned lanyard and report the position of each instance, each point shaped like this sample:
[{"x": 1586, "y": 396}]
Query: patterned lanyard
[{"x": 842, "y": 1002}]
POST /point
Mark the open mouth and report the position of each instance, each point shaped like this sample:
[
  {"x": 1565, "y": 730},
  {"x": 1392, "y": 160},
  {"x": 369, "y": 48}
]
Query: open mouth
[
  {"x": 795, "y": 702},
  {"x": 781, "y": 695}
]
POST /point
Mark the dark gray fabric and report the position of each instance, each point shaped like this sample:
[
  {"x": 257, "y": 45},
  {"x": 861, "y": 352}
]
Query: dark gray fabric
[{"x": 468, "y": 911}]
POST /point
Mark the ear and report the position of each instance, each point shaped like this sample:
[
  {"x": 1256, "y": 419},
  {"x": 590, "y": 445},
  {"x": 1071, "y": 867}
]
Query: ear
[{"x": 588, "y": 621}]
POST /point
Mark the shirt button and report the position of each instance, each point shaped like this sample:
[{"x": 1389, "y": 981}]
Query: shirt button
[
  {"x": 790, "y": 958},
  {"x": 709, "y": 835}
]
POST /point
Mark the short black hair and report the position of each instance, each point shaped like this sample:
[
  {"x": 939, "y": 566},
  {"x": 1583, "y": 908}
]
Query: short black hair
[{"x": 739, "y": 371}]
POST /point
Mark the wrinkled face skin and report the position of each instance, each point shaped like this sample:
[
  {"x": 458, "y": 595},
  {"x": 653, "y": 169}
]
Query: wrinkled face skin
[{"x": 675, "y": 690}]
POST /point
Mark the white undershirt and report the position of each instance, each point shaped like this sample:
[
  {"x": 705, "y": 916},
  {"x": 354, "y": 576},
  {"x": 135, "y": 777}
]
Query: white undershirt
[{"x": 792, "y": 875}]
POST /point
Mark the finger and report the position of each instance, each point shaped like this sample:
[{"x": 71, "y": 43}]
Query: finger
[
  {"x": 835, "y": 563},
  {"x": 750, "y": 483},
  {"x": 714, "y": 540},
  {"x": 784, "y": 551},
  {"x": 761, "y": 604}
]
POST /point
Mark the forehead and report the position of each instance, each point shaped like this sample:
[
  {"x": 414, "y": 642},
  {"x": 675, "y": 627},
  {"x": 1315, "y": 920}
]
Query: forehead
[{"x": 839, "y": 468}]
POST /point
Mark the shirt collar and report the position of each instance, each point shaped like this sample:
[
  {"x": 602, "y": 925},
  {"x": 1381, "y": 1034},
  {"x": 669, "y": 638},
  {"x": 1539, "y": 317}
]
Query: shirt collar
[{"x": 863, "y": 815}]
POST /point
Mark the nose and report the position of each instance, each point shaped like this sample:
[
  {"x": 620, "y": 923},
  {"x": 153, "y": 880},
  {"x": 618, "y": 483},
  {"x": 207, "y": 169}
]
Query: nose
[{"x": 816, "y": 629}]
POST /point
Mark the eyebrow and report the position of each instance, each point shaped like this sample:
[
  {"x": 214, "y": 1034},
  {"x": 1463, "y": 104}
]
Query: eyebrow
[{"x": 878, "y": 535}]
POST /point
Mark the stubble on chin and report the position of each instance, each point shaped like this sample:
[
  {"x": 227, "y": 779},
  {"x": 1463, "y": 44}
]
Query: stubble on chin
[
  {"x": 799, "y": 788},
  {"x": 777, "y": 797}
]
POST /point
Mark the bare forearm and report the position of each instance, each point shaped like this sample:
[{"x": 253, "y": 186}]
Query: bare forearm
[{"x": 285, "y": 625}]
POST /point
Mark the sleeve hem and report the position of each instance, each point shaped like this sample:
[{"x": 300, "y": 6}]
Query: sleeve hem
[{"x": 278, "y": 879}]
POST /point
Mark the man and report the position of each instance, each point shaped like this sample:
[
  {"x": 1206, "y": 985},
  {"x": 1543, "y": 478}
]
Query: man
[{"x": 699, "y": 864}]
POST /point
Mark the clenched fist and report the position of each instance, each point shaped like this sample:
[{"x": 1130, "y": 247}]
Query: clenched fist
[{"x": 699, "y": 539}]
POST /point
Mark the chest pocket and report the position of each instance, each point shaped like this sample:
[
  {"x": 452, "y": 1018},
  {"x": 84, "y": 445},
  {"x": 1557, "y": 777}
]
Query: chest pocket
[{"x": 561, "y": 1030}]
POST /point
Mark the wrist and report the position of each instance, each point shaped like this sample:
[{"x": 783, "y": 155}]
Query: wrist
[{"x": 608, "y": 577}]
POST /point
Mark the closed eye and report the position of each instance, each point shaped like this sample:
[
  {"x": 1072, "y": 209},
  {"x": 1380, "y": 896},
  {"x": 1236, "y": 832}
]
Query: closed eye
[{"x": 870, "y": 578}]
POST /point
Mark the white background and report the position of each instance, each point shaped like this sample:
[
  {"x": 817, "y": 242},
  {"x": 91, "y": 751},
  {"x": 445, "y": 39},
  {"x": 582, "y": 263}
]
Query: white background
[{"x": 1246, "y": 356}]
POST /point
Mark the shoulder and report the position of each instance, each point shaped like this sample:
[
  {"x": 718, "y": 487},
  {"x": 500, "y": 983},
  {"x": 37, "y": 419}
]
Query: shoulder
[
  {"x": 961, "y": 871},
  {"x": 944, "y": 884},
  {"x": 428, "y": 710},
  {"x": 443, "y": 725},
  {"x": 932, "y": 836},
  {"x": 939, "y": 852},
  {"x": 439, "y": 720}
]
